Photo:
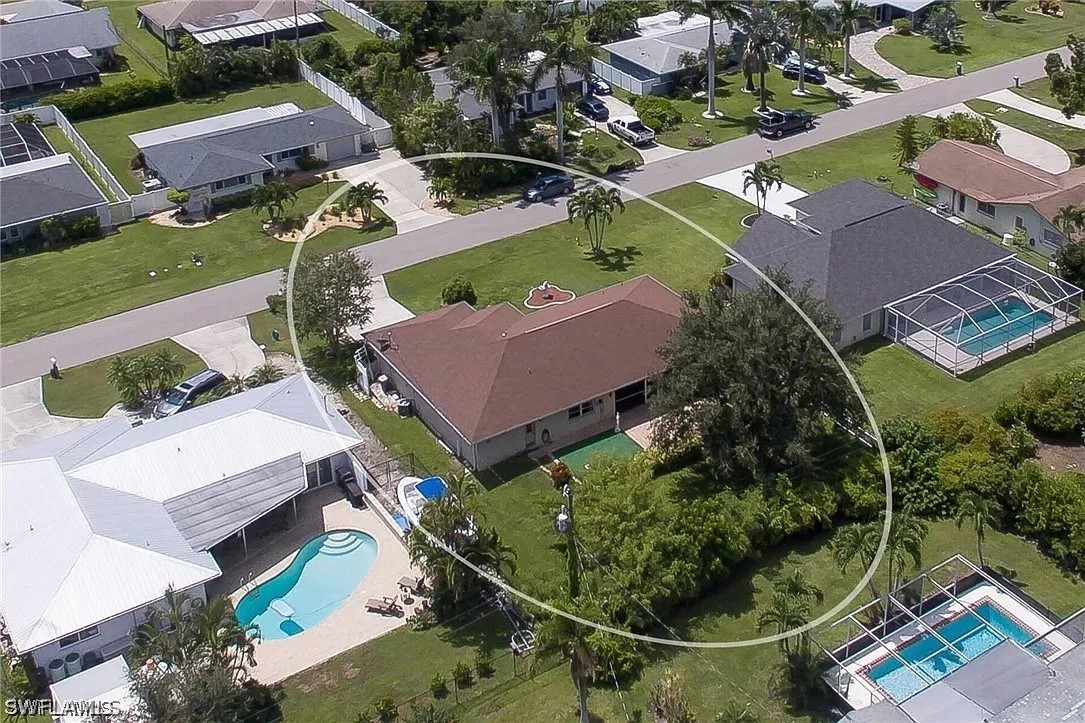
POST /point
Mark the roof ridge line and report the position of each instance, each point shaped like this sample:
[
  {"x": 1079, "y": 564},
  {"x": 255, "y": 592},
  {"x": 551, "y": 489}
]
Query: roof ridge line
[{"x": 1004, "y": 162}]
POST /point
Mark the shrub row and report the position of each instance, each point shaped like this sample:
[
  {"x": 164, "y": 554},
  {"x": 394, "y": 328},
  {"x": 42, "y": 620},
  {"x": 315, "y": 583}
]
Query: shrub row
[{"x": 116, "y": 98}]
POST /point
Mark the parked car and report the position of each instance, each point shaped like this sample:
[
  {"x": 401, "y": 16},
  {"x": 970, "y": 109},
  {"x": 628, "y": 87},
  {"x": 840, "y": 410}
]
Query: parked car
[
  {"x": 630, "y": 129},
  {"x": 598, "y": 86},
  {"x": 778, "y": 123},
  {"x": 811, "y": 74},
  {"x": 545, "y": 187},
  {"x": 184, "y": 395},
  {"x": 593, "y": 108}
]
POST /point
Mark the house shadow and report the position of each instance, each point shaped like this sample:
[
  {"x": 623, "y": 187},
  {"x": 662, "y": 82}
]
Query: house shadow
[{"x": 615, "y": 258}]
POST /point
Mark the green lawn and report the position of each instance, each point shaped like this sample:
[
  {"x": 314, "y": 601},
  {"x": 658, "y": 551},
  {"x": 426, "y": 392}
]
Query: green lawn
[
  {"x": 84, "y": 391},
  {"x": 1013, "y": 34},
  {"x": 1038, "y": 90},
  {"x": 1072, "y": 140},
  {"x": 108, "y": 136},
  {"x": 61, "y": 144},
  {"x": 146, "y": 55},
  {"x": 899, "y": 382},
  {"x": 737, "y": 108},
  {"x": 402, "y": 436},
  {"x": 493, "y": 199},
  {"x": 642, "y": 240},
  {"x": 54, "y": 290},
  {"x": 598, "y": 150},
  {"x": 401, "y": 663},
  {"x": 345, "y": 30}
]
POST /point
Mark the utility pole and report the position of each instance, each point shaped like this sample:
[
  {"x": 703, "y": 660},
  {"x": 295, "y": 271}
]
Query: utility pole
[
  {"x": 564, "y": 523},
  {"x": 297, "y": 30}
]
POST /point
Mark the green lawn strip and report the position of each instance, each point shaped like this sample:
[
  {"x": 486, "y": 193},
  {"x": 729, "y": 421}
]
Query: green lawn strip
[
  {"x": 344, "y": 30},
  {"x": 1070, "y": 139},
  {"x": 462, "y": 206},
  {"x": 900, "y": 382},
  {"x": 1012, "y": 34},
  {"x": 84, "y": 391},
  {"x": 403, "y": 435},
  {"x": 1038, "y": 90},
  {"x": 145, "y": 53},
  {"x": 738, "y": 107},
  {"x": 108, "y": 136},
  {"x": 643, "y": 240},
  {"x": 402, "y": 663},
  {"x": 598, "y": 151},
  {"x": 57, "y": 289},
  {"x": 61, "y": 144}
]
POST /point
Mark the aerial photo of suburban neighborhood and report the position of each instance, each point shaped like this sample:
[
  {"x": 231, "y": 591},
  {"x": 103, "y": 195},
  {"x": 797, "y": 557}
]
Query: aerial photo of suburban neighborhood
[{"x": 601, "y": 361}]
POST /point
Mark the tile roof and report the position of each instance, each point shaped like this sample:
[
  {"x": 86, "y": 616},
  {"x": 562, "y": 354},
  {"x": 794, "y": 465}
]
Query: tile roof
[
  {"x": 491, "y": 370},
  {"x": 91, "y": 29},
  {"x": 879, "y": 249},
  {"x": 209, "y": 14}
]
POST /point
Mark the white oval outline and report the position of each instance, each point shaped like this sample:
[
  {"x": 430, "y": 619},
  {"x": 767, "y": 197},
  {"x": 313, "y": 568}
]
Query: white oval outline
[{"x": 882, "y": 542}]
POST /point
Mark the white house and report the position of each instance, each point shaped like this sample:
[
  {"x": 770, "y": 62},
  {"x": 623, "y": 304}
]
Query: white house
[{"x": 99, "y": 521}]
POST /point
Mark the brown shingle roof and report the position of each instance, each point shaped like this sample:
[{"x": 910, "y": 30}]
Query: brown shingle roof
[
  {"x": 491, "y": 370},
  {"x": 209, "y": 14},
  {"x": 989, "y": 175}
]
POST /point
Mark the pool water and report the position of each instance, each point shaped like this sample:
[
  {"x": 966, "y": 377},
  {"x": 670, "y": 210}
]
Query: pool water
[
  {"x": 432, "y": 488},
  {"x": 322, "y": 575},
  {"x": 978, "y": 334},
  {"x": 929, "y": 654}
]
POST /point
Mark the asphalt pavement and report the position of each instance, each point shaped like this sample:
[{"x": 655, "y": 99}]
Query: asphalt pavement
[{"x": 118, "y": 333}]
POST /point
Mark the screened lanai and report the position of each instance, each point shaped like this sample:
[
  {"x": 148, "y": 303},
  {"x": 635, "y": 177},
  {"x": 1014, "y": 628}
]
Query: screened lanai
[{"x": 968, "y": 321}]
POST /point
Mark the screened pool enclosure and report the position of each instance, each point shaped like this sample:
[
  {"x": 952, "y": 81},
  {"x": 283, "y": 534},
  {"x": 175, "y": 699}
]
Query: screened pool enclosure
[{"x": 966, "y": 322}]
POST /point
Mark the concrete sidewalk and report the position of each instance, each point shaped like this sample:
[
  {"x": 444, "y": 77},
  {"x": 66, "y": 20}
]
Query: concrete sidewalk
[
  {"x": 1019, "y": 102},
  {"x": 864, "y": 52},
  {"x": 1018, "y": 144}
]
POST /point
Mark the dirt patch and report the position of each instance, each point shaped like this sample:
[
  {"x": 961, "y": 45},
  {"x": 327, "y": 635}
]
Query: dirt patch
[
  {"x": 314, "y": 227},
  {"x": 432, "y": 207},
  {"x": 546, "y": 294},
  {"x": 350, "y": 671},
  {"x": 1062, "y": 457}
]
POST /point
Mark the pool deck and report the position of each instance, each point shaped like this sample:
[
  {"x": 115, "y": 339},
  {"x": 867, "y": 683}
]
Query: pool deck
[
  {"x": 864, "y": 692},
  {"x": 349, "y": 626}
]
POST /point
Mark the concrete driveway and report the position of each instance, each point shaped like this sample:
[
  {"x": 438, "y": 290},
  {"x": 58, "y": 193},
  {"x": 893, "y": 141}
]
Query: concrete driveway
[
  {"x": 777, "y": 200},
  {"x": 227, "y": 347},
  {"x": 1018, "y": 144},
  {"x": 650, "y": 153},
  {"x": 405, "y": 186},
  {"x": 24, "y": 418},
  {"x": 386, "y": 310}
]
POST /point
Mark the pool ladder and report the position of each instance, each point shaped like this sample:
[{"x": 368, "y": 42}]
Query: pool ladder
[{"x": 247, "y": 584}]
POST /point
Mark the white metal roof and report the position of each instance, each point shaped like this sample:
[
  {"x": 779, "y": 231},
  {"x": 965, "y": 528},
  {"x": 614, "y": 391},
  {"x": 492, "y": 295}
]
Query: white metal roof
[
  {"x": 214, "y": 124},
  {"x": 106, "y": 682},
  {"x": 251, "y": 30}
]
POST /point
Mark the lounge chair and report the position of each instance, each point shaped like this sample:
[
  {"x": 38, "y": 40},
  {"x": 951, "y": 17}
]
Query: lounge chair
[
  {"x": 384, "y": 606},
  {"x": 413, "y": 585}
]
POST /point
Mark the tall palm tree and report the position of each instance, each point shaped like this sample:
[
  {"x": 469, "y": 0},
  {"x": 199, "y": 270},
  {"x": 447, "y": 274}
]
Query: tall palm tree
[
  {"x": 557, "y": 635},
  {"x": 805, "y": 19},
  {"x": 850, "y": 13},
  {"x": 364, "y": 198},
  {"x": 612, "y": 21},
  {"x": 797, "y": 587},
  {"x": 731, "y": 12},
  {"x": 979, "y": 512},
  {"x": 857, "y": 542},
  {"x": 595, "y": 207},
  {"x": 563, "y": 55},
  {"x": 478, "y": 66},
  {"x": 272, "y": 197},
  {"x": 763, "y": 177},
  {"x": 783, "y": 614},
  {"x": 765, "y": 37},
  {"x": 903, "y": 550},
  {"x": 1070, "y": 219}
]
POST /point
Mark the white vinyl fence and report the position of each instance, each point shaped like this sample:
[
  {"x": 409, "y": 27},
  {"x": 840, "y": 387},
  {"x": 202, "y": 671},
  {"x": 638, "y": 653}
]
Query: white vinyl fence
[
  {"x": 361, "y": 17},
  {"x": 626, "y": 81},
  {"x": 380, "y": 129},
  {"x": 102, "y": 170}
]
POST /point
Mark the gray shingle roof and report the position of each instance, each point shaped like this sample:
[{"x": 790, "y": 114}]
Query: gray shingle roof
[
  {"x": 444, "y": 88},
  {"x": 661, "y": 53},
  {"x": 47, "y": 192},
  {"x": 18, "y": 12},
  {"x": 91, "y": 29},
  {"x": 194, "y": 162},
  {"x": 859, "y": 263}
]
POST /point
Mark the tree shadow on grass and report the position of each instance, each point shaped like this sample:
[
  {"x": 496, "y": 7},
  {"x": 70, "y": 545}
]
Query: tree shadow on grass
[
  {"x": 506, "y": 471},
  {"x": 1011, "y": 19},
  {"x": 874, "y": 84},
  {"x": 615, "y": 258},
  {"x": 957, "y": 49}
]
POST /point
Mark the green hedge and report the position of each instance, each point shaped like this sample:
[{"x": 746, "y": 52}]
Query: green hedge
[
  {"x": 657, "y": 112},
  {"x": 116, "y": 98}
]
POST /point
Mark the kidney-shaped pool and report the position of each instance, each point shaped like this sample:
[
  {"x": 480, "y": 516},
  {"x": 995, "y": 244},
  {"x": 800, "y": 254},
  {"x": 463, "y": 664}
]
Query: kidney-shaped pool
[{"x": 318, "y": 580}]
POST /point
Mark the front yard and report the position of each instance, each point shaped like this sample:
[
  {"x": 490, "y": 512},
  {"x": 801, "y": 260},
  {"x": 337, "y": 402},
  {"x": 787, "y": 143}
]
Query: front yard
[
  {"x": 57, "y": 289},
  {"x": 1013, "y": 34},
  {"x": 108, "y": 136},
  {"x": 1038, "y": 90},
  {"x": 642, "y": 240}
]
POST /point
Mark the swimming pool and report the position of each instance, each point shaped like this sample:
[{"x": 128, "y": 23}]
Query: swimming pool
[
  {"x": 318, "y": 580},
  {"x": 432, "y": 488},
  {"x": 929, "y": 654},
  {"x": 975, "y": 335}
]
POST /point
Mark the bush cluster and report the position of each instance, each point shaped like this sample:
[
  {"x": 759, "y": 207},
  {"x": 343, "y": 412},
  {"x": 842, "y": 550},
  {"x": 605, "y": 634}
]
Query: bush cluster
[
  {"x": 658, "y": 113},
  {"x": 115, "y": 98},
  {"x": 457, "y": 290},
  {"x": 197, "y": 70},
  {"x": 1053, "y": 406},
  {"x": 61, "y": 230}
]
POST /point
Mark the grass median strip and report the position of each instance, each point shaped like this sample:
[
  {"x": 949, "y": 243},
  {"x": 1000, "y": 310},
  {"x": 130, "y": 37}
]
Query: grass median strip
[{"x": 1071, "y": 140}]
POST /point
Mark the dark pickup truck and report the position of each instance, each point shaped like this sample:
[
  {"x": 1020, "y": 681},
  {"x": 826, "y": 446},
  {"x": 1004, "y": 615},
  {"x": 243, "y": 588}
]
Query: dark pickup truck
[{"x": 779, "y": 123}]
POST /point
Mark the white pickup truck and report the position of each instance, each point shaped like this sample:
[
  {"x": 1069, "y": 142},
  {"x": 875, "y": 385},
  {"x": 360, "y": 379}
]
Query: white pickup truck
[{"x": 630, "y": 129}]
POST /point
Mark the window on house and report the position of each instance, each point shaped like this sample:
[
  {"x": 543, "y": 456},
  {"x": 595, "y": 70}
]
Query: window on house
[
  {"x": 230, "y": 182},
  {"x": 987, "y": 209},
  {"x": 1018, "y": 222},
  {"x": 1052, "y": 238},
  {"x": 292, "y": 153},
  {"x": 9, "y": 234},
  {"x": 868, "y": 321},
  {"x": 318, "y": 473},
  {"x": 581, "y": 409},
  {"x": 960, "y": 202},
  {"x": 84, "y": 634}
]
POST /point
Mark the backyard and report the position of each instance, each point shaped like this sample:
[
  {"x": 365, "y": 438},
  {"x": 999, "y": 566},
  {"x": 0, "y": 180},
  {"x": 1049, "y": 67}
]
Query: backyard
[
  {"x": 57, "y": 289},
  {"x": 61, "y": 144},
  {"x": 1071, "y": 140},
  {"x": 643, "y": 240},
  {"x": 108, "y": 136},
  {"x": 1013, "y": 33},
  {"x": 84, "y": 390},
  {"x": 146, "y": 55}
]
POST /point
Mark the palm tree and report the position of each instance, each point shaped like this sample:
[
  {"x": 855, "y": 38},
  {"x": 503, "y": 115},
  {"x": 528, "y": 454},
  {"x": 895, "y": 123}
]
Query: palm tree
[
  {"x": 266, "y": 373},
  {"x": 364, "y": 197},
  {"x": 273, "y": 197},
  {"x": 563, "y": 54},
  {"x": 735, "y": 712},
  {"x": 980, "y": 512},
  {"x": 797, "y": 587},
  {"x": 784, "y": 614},
  {"x": 595, "y": 207},
  {"x": 1070, "y": 219},
  {"x": 478, "y": 66},
  {"x": 441, "y": 190},
  {"x": 857, "y": 542},
  {"x": 731, "y": 12},
  {"x": 765, "y": 37},
  {"x": 904, "y": 546},
  {"x": 850, "y": 13},
  {"x": 763, "y": 177},
  {"x": 805, "y": 19},
  {"x": 612, "y": 21},
  {"x": 557, "y": 635}
]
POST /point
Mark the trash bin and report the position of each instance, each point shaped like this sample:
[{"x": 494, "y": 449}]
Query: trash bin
[
  {"x": 56, "y": 670},
  {"x": 73, "y": 663},
  {"x": 403, "y": 406}
]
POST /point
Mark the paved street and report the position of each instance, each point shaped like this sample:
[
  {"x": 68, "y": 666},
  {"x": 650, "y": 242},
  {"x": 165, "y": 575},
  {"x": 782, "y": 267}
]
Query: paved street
[{"x": 118, "y": 333}]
